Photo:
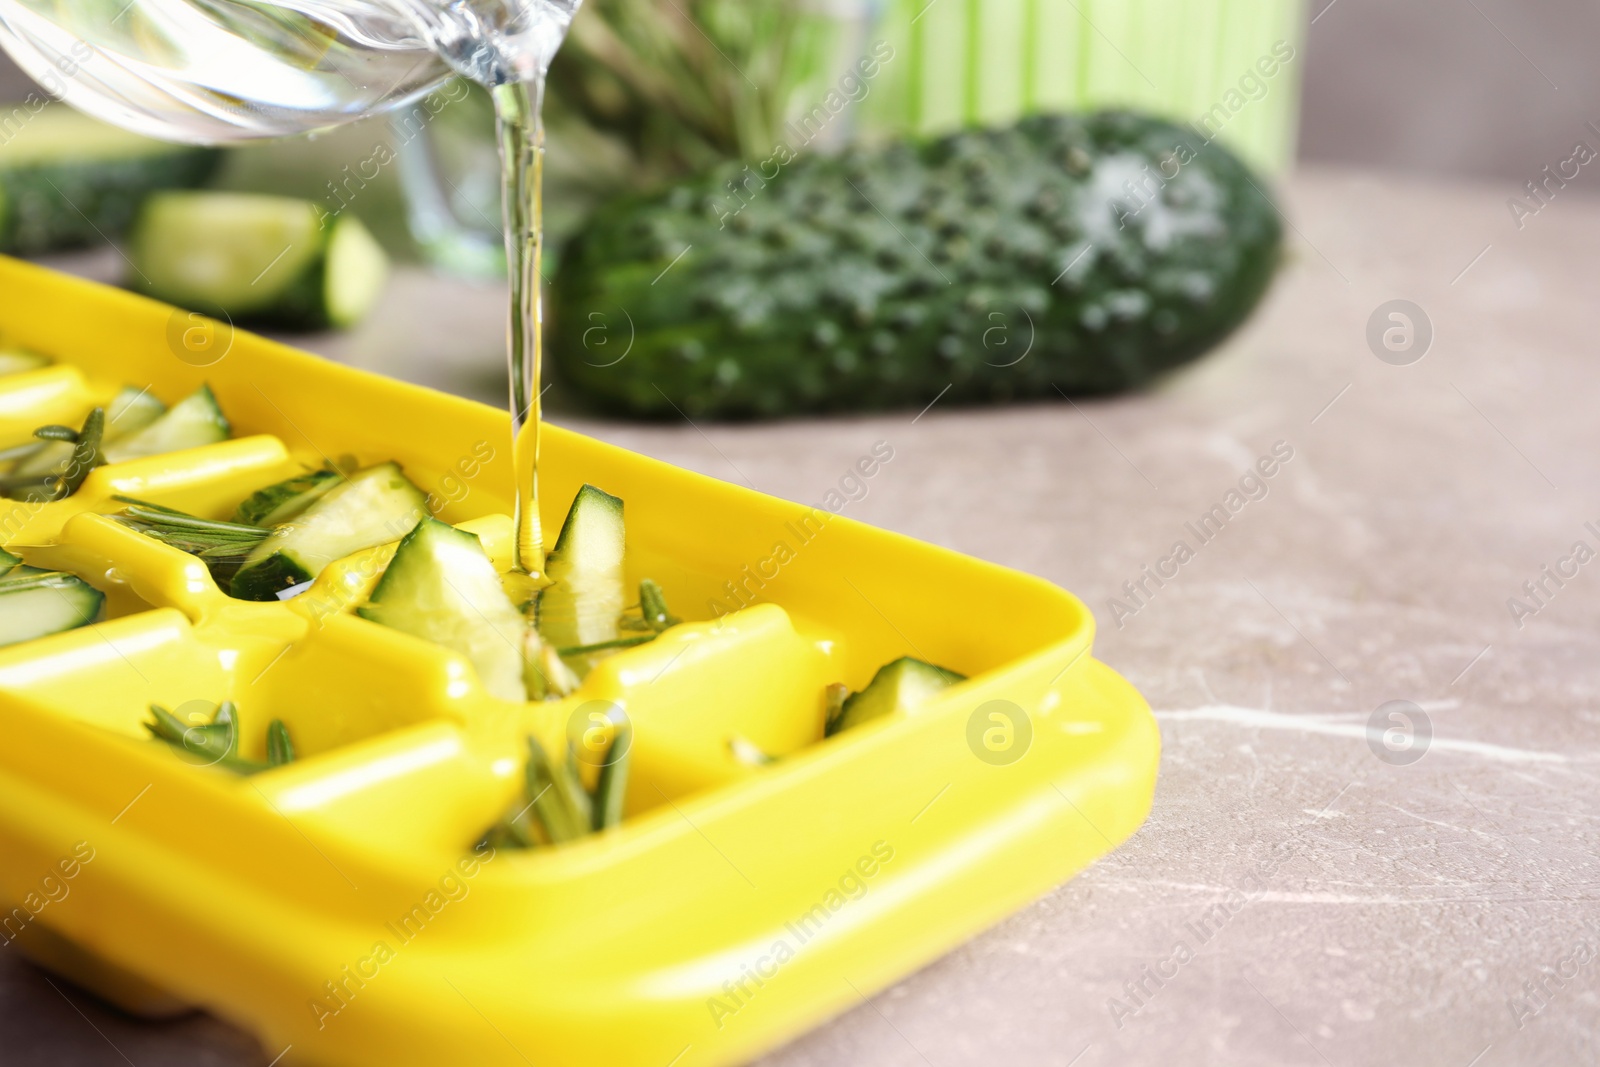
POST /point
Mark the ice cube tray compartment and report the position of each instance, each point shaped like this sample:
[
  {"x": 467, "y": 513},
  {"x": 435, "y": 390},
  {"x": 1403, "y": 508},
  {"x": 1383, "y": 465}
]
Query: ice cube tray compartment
[{"x": 261, "y": 898}]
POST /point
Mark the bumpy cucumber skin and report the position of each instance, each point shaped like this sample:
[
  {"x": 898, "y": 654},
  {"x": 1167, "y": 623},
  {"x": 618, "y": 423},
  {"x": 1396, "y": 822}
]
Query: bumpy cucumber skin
[
  {"x": 68, "y": 204},
  {"x": 941, "y": 266}
]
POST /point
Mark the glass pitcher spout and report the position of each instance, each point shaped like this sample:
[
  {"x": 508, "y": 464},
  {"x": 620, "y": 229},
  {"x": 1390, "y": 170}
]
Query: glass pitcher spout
[{"x": 209, "y": 71}]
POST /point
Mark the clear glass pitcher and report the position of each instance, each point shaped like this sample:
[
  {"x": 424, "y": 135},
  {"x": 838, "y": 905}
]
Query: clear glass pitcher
[{"x": 225, "y": 70}]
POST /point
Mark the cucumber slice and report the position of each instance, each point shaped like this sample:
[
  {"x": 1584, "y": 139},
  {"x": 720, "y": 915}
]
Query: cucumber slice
[
  {"x": 371, "y": 507},
  {"x": 897, "y": 688},
  {"x": 193, "y": 421},
  {"x": 357, "y": 269},
  {"x": 281, "y": 502},
  {"x": 248, "y": 257},
  {"x": 441, "y": 587},
  {"x": 43, "y": 603},
  {"x": 51, "y": 457},
  {"x": 66, "y": 179},
  {"x": 131, "y": 410},
  {"x": 18, "y": 360},
  {"x": 585, "y": 603}
]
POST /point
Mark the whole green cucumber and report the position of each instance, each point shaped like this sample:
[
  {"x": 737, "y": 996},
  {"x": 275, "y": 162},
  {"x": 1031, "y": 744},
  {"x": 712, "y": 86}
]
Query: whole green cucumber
[{"x": 1079, "y": 254}]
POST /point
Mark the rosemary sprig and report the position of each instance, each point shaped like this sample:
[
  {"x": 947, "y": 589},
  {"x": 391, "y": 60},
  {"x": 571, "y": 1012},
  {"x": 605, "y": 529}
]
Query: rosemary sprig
[
  {"x": 213, "y": 744},
  {"x": 551, "y": 794},
  {"x": 220, "y": 544},
  {"x": 654, "y": 617},
  {"x": 555, "y": 807},
  {"x": 601, "y": 646},
  {"x": 612, "y": 787},
  {"x": 216, "y": 743},
  {"x": 35, "y": 581},
  {"x": 653, "y": 607},
  {"x": 280, "y": 746},
  {"x": 571, "y": 784}
]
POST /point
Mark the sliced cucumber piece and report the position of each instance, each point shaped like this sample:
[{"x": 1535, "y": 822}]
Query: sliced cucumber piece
[
  {"x": 357, "y": 269},
  {"x": 898, "y": 687},
  {"x": 585, "y": 603},
  {"x": 263, "y": 258},
  {"x": 51, "y": 457},
  {"x": 441, "y": 587},
  {"x": 371, "y": 507},
  {"x": 18, "y": 360},
  {"x": 38, "y": 604},
  {"x": 130, "y": 411},
  {"x": 281, "y": 502},
  {"x": 193, "y": 421}
]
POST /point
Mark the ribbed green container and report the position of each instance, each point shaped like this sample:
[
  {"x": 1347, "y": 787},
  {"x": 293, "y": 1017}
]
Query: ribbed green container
[{"x": 1206, "y": 62}]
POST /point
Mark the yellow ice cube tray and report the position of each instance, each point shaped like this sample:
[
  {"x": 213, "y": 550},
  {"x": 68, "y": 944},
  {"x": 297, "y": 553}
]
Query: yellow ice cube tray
[{"x": 335, "y": 906}]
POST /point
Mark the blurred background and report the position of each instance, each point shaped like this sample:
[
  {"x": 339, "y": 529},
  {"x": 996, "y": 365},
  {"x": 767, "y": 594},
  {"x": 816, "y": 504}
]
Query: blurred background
[
  {"x": 1422, "y": 85},
  {"x": 1480, "y": 91}
]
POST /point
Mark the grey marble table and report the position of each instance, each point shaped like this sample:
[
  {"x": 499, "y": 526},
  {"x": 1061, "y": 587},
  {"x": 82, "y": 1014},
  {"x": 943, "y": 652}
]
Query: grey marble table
[{"x": 1299, "y": 895}]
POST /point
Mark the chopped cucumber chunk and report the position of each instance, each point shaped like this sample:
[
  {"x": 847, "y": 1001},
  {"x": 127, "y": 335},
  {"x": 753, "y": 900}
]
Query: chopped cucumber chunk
[
  {"x": 371, "y": 507},
  {"x": 44, "y": 602},
  {"x": 585, "y": 603},
  {"x": 193, "y": 421},
  {"x": 441, "y": 587},
  {"x": 230, "y": 253},
  {"x": 265, "y": 258},
  {"x": 898, "y": 687}
]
